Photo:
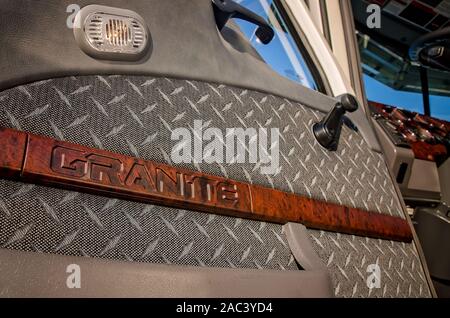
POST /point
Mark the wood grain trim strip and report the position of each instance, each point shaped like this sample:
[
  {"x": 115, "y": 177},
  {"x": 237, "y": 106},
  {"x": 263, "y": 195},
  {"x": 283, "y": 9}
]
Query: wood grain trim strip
[{"x": 31, "y": 158}]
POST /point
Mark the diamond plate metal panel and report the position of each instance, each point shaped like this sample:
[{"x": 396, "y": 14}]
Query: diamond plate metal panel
[{"x": 135, "y": 116}]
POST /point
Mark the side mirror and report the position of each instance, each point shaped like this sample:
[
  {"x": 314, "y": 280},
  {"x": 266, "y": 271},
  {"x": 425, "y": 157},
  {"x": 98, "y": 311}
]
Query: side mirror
[{"x": 432, "y": 49}]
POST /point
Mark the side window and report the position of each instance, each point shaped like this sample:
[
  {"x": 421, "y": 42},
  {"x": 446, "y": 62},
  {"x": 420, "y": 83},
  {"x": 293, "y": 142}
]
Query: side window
[
  {"x": 282, "y": 53},
  {"x": 393, "y": 80},
  {"x": 439, "y": 88}
]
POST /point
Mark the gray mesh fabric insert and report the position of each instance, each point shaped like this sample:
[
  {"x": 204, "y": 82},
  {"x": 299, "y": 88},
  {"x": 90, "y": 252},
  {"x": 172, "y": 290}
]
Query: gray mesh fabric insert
[
  {"x": 65, "y": 222},
  {"x": 135, "y": 116}
]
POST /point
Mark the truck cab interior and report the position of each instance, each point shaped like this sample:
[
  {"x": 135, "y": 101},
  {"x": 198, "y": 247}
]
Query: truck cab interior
[
  {"x": 406, "y": 72},
  {"x": 120, "y": 78}
]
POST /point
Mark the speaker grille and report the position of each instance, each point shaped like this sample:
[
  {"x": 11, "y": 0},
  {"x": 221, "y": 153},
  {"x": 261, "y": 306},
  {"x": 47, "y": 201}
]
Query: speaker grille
[
  {"x": 111, "y": 33},
  {"x": 94, "y": 30},
  {"x": 115, "y": 34},
  {"x": 118, "y": 33},
  {"x": 139, "y": 34}
]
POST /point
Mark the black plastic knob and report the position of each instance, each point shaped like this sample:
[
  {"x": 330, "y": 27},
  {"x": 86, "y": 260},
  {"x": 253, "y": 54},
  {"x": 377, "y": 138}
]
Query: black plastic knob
[{"x": 328, "y": 130}]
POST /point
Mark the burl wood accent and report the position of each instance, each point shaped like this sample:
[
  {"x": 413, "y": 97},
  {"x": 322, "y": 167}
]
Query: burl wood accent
[
  {"x": 426, "y": 151},
  {"x": 12, "y": 152},
  {"x": 31, "y": 158}
]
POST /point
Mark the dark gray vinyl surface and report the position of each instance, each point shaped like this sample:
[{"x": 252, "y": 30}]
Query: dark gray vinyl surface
[{"x": 26, "y": 274}]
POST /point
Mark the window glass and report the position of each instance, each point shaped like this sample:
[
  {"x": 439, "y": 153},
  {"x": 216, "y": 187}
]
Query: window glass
[
  {"x": 440, "y": 106},
  {"x": 282, "y": 53},
  {"x": 439, "y": 87},
  {"x": 392, "y": 80},
  {"x": 379, "y": 92}
]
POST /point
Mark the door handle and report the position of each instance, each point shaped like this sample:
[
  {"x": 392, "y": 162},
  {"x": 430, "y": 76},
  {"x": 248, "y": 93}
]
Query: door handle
[{"x": 227, "y": 9}]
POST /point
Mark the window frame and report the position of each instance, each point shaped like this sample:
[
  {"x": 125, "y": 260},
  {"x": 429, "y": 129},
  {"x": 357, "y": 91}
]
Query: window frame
[
  {"x": 302, "y": 48},
  {"x": 305, "y": 50}
]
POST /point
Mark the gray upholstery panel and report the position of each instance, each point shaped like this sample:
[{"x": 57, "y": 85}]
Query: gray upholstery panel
[
  {"x": 348, "y": 259},
  {"x": 27, "y": 274},
  {"x": 65, "y": 222},
  {"x": 135, "y": 116}
]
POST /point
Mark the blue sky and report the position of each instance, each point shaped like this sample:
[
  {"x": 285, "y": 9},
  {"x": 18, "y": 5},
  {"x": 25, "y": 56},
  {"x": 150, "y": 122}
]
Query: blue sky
[{"x": 378, "y": 92}]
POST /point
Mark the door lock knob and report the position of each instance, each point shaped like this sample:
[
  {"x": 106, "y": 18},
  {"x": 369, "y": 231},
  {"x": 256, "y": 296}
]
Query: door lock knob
[{"x": 328, "y": 130}]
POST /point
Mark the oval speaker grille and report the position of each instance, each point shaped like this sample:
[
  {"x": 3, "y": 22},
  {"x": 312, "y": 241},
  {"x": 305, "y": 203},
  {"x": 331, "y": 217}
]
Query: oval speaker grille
[
  {"x": 111, "y": 35},
  {"x": 94, "y": 30},
  {"x": 118, "y": 33},
  {"x": 139, "y": 34}
]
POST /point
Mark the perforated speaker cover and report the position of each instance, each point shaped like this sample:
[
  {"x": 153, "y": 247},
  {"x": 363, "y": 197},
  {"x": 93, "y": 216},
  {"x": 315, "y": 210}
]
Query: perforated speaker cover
[{"x": 111, "y": 33}]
